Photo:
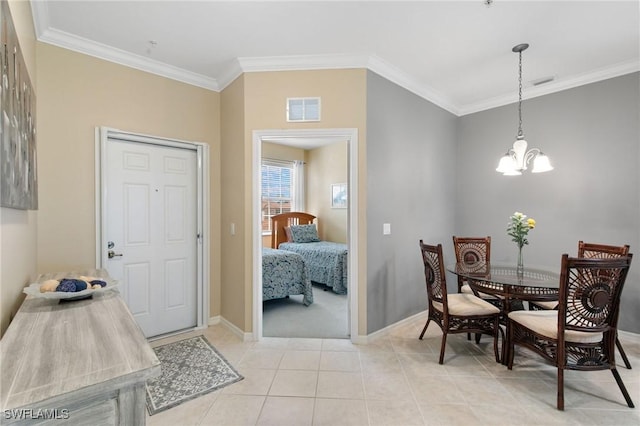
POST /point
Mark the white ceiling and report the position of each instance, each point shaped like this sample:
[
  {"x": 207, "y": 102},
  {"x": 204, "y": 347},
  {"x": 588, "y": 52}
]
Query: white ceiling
[{"x": 456, "y": 54}]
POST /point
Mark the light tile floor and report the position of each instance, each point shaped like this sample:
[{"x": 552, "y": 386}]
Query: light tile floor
[{"x": 396, "y": 380}]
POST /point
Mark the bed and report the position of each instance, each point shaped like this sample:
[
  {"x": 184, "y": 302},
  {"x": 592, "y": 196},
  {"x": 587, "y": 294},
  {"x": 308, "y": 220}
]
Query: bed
[
  {"x": 326, "y": 260},
  {"x": 285, "y": 273}
]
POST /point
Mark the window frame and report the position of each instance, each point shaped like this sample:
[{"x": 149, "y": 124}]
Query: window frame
[{"x": 284, "y": 164}]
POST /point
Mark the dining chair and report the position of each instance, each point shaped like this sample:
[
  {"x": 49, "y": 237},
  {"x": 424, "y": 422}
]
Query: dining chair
[
  {"x": 595, "y": 251},
  {"x": 470, "y": 251},
  {"x": 580, "y": 335},
  {"x": 455, "y": 313}
]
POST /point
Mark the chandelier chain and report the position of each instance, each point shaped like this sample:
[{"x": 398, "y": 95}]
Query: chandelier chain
[
  {"x": 520, "y": 135},
  {"x": 517, "y": 158}
]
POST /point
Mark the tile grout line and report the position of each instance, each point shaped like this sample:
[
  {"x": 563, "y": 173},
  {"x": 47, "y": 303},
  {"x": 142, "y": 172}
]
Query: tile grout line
[{"x": 364, "y": 390}]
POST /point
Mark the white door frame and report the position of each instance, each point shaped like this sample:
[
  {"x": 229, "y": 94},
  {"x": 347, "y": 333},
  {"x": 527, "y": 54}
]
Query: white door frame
[
  {"x": 340, "y": 135},
  {"x": 102, "y": 134}
]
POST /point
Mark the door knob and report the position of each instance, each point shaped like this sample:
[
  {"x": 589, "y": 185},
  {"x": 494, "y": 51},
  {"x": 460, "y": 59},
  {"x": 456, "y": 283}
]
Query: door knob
[{"x": 111, "y": 254}]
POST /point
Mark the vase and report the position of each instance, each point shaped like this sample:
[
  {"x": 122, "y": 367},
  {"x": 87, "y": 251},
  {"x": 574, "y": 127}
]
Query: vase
[{"x": 520, "y": 268}]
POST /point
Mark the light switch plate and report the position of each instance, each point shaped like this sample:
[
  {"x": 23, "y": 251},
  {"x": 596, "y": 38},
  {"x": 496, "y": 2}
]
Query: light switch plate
[{"x": 386, "y": 229}]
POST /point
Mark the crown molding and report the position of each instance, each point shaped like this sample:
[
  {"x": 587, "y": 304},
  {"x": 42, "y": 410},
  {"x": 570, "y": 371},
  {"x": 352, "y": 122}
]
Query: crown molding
[
  {"x": 229, "y": 74},
  {"x": 111, "y": 54},
  {"x": 593, "y": 76},
  {"x": 40, "y": 13},
  {"x": 320, "y": 62},
  {"x": 288, "y": 63},
  {"x": 404, "y": 80},
  {"x": 242, "y": 65},
  {"x": 302, "y": 62},
  {"x": 65, "y": 40}
]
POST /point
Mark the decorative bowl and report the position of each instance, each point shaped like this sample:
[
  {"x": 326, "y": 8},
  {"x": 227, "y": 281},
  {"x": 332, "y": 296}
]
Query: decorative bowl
[{"x": 34, "y": 290}]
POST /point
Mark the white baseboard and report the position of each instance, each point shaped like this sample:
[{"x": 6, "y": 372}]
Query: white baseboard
[
  {"x": 358, "y": 340},
  {"x": 390, "y": 328},
  {"x": 244, "y": 336},
  {"x": 365, "y": 339},
  {"x": 627, "y": 335}
]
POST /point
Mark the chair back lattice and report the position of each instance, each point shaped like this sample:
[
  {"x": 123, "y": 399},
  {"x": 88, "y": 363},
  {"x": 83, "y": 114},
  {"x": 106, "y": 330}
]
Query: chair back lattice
[
  {"x": 601, "y": 251},
  {"x": 590, "y": 292},
  {"x": 434, "y": 273},
  {"x": 472, "y": 249}
]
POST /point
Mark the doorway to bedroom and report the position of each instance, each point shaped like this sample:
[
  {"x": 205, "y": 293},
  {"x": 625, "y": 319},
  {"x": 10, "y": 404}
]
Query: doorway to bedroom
[{"x": 284, "y": 304}]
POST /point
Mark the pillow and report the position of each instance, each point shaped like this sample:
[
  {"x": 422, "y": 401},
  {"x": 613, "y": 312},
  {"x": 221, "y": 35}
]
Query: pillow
[
  {"x": 287, "y": 232},
  {"x": 304, "y": 233}
]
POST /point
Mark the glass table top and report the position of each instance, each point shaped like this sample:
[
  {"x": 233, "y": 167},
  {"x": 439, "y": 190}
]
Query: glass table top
[{"x": 506, "y": 274}]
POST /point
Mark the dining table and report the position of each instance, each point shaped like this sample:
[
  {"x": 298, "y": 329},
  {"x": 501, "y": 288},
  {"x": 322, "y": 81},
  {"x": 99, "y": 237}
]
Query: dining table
[{"x": 510, "y": 285}]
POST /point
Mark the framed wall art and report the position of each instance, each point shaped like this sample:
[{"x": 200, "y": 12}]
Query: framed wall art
[
  {"x": 339, "y": 196},
  {"x": 19, "y": 183}
]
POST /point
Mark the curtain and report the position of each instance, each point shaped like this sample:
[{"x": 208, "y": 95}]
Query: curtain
[{"x": 298, "y": 186}]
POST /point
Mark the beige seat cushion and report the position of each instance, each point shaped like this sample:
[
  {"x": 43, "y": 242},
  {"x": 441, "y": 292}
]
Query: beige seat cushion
[
  {"x": 551, "y": 305},
  {"x": 545, "y": 323},
  {"x": 461, "y": 304},
  {"x": 466, "y": 288}
]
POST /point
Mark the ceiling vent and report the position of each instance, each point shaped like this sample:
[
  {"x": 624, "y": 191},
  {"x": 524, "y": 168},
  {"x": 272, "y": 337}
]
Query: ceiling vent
[{"x": 303, "y": 109}]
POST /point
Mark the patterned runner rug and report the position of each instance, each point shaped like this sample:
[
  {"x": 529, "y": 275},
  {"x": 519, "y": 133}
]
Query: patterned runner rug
[{"x": 190, "y": 368}]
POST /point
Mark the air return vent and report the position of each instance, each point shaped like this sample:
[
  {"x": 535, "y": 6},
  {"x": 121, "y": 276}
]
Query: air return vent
[{"x": 303, "y": 109}]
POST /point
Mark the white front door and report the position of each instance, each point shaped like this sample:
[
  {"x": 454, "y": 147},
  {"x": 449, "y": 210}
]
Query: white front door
[{"x": 151, "y": 232}]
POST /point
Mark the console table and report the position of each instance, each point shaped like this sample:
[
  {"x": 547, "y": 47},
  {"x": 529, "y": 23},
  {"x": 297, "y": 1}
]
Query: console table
[{"x": 79, "y": 362}]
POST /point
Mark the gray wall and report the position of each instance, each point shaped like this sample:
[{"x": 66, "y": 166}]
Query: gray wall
[
  {"x": 591, "y": 134},
  {"x": 411, "y": 170},
  {"x": 432, "y": 175}
]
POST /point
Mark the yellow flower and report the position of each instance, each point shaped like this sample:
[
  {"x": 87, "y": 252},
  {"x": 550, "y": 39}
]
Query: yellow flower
[{"x": 519, "y": 227}]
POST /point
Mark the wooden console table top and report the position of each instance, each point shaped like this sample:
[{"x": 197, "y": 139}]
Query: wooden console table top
[{"x": 61, "y": 353}]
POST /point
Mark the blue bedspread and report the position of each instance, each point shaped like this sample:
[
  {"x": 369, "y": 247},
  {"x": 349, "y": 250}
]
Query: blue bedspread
[
  {"x": 327, "y": 262},
  {"x": 285, "y": 273}
]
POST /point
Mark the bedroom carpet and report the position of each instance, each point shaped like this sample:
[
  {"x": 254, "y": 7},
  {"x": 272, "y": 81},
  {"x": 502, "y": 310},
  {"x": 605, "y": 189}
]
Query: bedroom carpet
[
  {"x": 325, "y": 318},
  {"x": 190, "y": 368}
]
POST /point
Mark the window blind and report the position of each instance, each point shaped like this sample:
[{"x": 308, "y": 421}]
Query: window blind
[{"x": 277, "y": 190}]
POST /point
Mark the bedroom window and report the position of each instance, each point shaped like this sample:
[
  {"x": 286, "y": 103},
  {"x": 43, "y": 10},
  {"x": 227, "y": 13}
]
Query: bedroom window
[{"x": 277, "y": 190}]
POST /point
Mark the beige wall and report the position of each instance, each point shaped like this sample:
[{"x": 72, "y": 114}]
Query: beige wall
[
  {"x": 327, "y": 165},
  {"x": 343, "y": 94},
  {"x": 79, "y": 92},
  {"x": 23, "y": 23},
  {"x": 76, "y": 93},
  {"x": 18, "y": 228},
  {"x": 233, "y": 165}
]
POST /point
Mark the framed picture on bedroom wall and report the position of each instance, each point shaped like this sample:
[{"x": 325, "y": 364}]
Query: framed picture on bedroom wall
[{"x": 339, "y": 196}]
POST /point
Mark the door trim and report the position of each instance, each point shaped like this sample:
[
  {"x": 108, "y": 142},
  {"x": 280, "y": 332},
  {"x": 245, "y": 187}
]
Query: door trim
[
  {"x": 350, "y": 135},
  {"x": 102, "y": 134}
]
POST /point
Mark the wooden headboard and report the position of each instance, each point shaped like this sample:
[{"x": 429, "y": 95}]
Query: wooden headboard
[{"x": 281, "y": 221}]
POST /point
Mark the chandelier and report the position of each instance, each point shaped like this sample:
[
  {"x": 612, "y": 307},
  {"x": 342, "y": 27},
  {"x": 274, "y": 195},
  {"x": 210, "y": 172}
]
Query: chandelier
[{"x": 515, "y": 161}]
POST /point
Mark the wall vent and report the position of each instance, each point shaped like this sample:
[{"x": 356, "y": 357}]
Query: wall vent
[{"x": 303, "y": 109}]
